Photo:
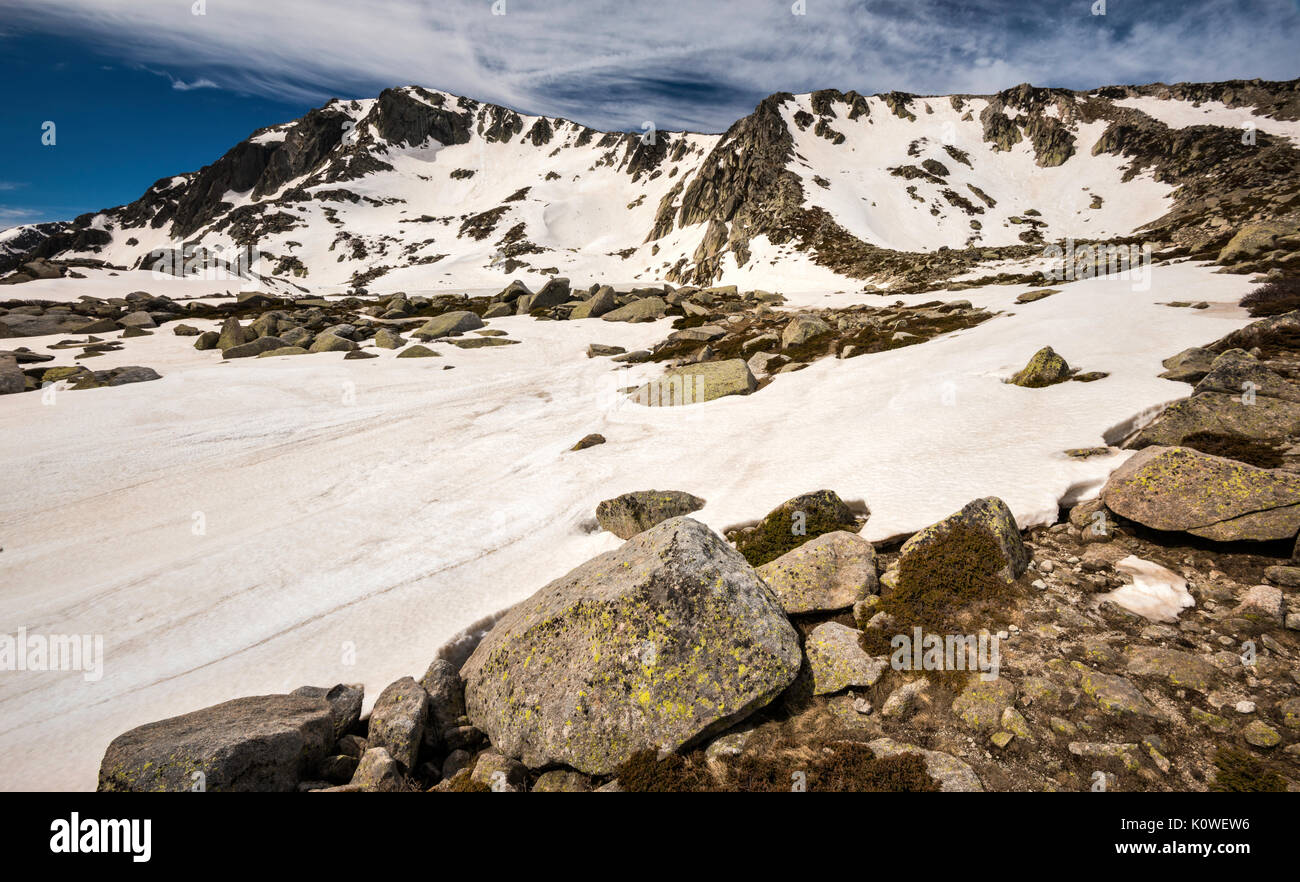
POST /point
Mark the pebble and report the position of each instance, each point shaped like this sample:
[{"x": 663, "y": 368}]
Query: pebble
[{"x": 1245, "y": 707}]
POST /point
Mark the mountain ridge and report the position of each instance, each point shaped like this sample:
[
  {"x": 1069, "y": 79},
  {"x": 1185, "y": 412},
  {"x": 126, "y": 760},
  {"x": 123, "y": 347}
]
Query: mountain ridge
[{"x": 894, "y": 188}]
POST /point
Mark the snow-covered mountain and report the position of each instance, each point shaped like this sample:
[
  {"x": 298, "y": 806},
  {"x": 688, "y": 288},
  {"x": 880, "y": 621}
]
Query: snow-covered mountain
[{"x": 419, "y": 189}]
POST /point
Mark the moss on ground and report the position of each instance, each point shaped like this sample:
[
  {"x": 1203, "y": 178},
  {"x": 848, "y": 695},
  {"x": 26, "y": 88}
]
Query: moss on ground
[{"x": 1240, "y": 772}]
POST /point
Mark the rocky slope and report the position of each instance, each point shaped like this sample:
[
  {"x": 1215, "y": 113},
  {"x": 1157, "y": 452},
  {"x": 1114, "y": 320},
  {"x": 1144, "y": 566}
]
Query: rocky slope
[
  {"x": 1146, "y": 641},
  {"x": 419, "y": 189}
]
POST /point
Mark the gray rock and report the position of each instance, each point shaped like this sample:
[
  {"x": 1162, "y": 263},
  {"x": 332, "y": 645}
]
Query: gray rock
[
  {"x": 255, "y": 348},
  {"x": 662, "y": 642},
  {"x": 378, "y": 772},
  {"x": 327, "y": 342},
  {"x": 386, "y": 339},
  {"x": 398, "y": 719},
  {"x": 449, "y": 324},
  {"x": 260, "y": 743},
  {"x": 697, "y": 383},
  {"x": 12, "y": 378},
  {"x": 830, "y": 572},
  {"x": 635, "y": 512},
  {"x": 801, "y": 329},
  {"x": 446, "y": 691},
  {"x": 1180, "y": 489},
  {"x": 989, "y": 515},
  {"x": 953, "y": 775},
  {"x": 344, "y": 700},
  {"x": 647, "y": 309},
  {"x": 837, "y": 661},
  {"x": 501, "y": 773}
]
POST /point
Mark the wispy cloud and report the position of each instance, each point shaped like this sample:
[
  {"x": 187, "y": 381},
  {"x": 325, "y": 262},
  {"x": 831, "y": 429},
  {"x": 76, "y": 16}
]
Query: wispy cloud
[
  {"x": 680, "y": 63},
  {"x": 12, "y": 216},
  {"x": 200, "y": 83},
  {"x": 10, "y": 185}
]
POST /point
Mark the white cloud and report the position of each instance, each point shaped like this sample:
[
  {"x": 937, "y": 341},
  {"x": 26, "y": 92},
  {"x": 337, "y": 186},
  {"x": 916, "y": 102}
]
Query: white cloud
[
  {"x": 681, "y": 63},
  {"x": 201, "y": 83}
]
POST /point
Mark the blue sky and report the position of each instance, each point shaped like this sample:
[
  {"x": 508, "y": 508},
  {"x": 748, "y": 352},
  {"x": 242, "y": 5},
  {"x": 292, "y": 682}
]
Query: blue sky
[{"x": 141, "y": 89}]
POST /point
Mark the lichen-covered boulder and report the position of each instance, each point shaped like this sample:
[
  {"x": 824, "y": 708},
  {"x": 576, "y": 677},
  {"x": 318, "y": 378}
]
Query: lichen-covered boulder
[
  {"x": 1184, "y": 490},
  {"x": 1222, "y": 414},
  {"x": 635, "y": 512},
  {"x": 697, "y": 383},
  {"x": 801, "y": 329},
  {"x": 1253, "y": 240},
  {"x": 1240, "y": 374},
  {"x": 1046, "y": 368},
  {"x": 1190, "y": 365},
  {"x": 647, "y": 309},
  {"x": 837, "y": 660},
  {"x": 260, "y": 743},
  {"x": 448, "y": 324},
  {"x": 833, "y": 571},
  {"x": 794, "y": 522},
  {"x": 398, "y": 719},
  {"x": 668, "y": 639},
  {"x": 988, "y": 516}
]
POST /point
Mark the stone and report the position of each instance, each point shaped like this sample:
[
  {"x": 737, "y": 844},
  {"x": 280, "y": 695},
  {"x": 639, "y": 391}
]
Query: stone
[
  {"x": 1182, "y": 669},
  {"x": 386, "y": 339},
  {"x": 602, "y": 303},
  {"x": 1046, "y": 368},
  {"x": 586, "y": 441},
  {"x": 905, "y": 700},
  {"x": 327, "y": 342},
  {"x": 837, "y": 660},
  {"x": 378, "y": 772},
  {"x": 794, "y": 522},
  {"x": 1262, "y": 603},
  {"x": 255, "y": 348},
  {"x": 831, "y": 572},
  {"x": 562, "y": 781},
  {"x": 596, "y": 350},
  {"x": 980, "y": 704},
  {"x": 446, "y": 691},
  {"x": 283, "y": 350},
  {"x": 1190, "y": 365},
  {"x": 635, "y": 512},
  {"x": 1287, "y": 577},
  {"x": 207, "y": 340},
  {"x": 953, "y": 775},
  {"x": 1114, "y": 694},
  {"x": 1039, "y": 294},
  {"x": 667, "y": 639},
  {"x": 449, "y": 324},
  {"x": 1180, "y": 489},
  {"x": 12, "y": 378},
  {"x": 801, "y": 329},
  {"x": 501, "y": 773},
  {"x": 697, "y": 383},
  {"x": 1253, "y": 240},
  {"x": 259, "y": 743},
  {"x": 1260, "y": 734},
  {"x": 397, "y": 720},
  {"x": 232, "y": 334},
  {"x": 647, "y": 309},
  {"x": 418, "y": 351},
  {"x": 989, "y": 515},
  {"x": 344, "y": 701}
]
